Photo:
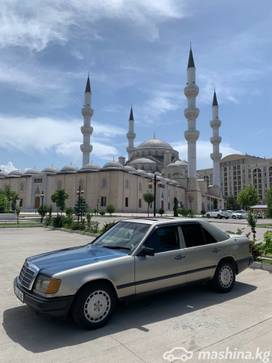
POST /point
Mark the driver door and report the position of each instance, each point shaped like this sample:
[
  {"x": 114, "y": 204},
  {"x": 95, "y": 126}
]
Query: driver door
[{"x": 163, "y": 269}]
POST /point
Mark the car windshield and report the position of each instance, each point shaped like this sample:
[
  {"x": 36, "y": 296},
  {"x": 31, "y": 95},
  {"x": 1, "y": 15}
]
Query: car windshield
[{"x": 123, "y": 235}]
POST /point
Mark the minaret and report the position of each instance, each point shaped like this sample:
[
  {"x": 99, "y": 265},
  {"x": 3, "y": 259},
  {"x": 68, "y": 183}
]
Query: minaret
[
  {"x": 131, "y": 134},
  {"x": 191, "y": 112},
  {"x": 86, "y": 129},
  {"x": 215, "y": 140}
]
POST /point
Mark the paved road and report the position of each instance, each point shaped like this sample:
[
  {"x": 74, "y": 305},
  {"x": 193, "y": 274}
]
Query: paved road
[{"x": 192, "y": 317}]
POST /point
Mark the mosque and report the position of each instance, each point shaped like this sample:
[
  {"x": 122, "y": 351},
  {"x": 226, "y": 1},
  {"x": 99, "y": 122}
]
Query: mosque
[{"x": 123, "y": 183}]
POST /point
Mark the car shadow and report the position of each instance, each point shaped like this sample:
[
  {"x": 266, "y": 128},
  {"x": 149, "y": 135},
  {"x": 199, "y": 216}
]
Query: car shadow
[{"x": 38, "y": 333}]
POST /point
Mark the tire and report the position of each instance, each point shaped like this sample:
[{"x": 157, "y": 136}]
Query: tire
[
  {"x": 224, "y": 277},
  {"x": 94, "y": 305}
]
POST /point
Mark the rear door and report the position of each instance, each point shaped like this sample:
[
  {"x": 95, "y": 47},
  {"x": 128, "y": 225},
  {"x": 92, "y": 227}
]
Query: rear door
[
  {"x": 201, "y": 252},
  {"x": 164, "y": 268}
]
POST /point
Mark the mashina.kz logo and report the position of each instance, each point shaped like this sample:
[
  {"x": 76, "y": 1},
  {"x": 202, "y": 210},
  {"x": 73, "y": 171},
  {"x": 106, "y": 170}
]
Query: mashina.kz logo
[{"x": 178, "y": 353}]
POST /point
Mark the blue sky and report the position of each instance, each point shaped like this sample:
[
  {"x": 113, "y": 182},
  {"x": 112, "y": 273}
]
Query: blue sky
[{"x": 136, "y": 52}]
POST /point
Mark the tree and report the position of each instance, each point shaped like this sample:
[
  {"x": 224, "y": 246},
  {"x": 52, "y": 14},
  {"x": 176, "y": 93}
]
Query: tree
[
  {"x": 268, "y": 198},
  {"x": 175, "y": 208},
  {"x": 231, "y": 203},
  {"x": 252, "y": 221},
  {"x": 149, "y": 199},
  {"x": 59, "y": 197},
  {"x": 110, "y": 209},
  {"x": 11, "y": 197},
  {"x": 248, "y": 197},
  {"x": 4, "y": 204},
  {"x": 42, "y": 210},
  {"x": 80, "y": 208}
]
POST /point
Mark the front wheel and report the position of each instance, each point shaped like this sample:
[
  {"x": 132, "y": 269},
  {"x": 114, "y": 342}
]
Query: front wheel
[
  {"x": 94, "y": 305},
  {"x": 224, "y": 277}
]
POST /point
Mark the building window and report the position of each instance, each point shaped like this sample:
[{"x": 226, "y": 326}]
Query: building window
[
  {"x": 140, "y": 187},
  {"x": 103, "y": 202},
  {"x": 59, "y": 184},
  {"x": 140, "y": 203},
  {"x": 126, "y": 202},
  {"x": 37, "y": 180},
  {"x": 21, "y": 186},
  {"x": 126, "y": 184}
]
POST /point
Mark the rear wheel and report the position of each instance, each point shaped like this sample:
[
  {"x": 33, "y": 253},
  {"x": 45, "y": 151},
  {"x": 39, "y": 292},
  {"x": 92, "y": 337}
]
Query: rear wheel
[
  {"x": 94, "y": 305},
  {"x": 224, "y": 277}
]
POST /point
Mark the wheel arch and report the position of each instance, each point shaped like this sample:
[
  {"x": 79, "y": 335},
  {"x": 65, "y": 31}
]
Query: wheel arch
[
  {"x": 229, "y": 259},
  {"x": 103, "y": 280}
]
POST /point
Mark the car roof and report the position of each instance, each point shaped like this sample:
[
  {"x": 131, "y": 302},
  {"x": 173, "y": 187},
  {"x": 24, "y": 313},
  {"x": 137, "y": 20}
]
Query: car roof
[{"x": 163, "y": 220}]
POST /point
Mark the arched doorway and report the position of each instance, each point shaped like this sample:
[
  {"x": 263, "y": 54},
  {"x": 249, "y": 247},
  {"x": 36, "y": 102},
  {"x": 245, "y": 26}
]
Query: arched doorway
[{"x": 37, "y": 202}]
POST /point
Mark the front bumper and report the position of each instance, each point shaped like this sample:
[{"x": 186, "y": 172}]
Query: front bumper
[{"x": 55, "y": 306}]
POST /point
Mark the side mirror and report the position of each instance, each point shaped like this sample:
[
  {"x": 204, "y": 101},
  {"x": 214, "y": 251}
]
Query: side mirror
[{"x": 147, "y": 251}]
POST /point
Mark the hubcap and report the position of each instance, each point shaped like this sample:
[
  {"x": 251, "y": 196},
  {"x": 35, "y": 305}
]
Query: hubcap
[
  {"x": 226, "y": 276},
  {"x": 97, "y": 306}
]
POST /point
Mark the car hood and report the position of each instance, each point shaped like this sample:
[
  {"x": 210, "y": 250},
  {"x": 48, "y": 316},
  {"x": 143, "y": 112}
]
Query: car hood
[{"x": 61, "y": 260}]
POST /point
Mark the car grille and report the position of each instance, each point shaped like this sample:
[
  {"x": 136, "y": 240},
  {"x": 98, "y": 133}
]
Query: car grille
[{"x": 27, "y": 275}]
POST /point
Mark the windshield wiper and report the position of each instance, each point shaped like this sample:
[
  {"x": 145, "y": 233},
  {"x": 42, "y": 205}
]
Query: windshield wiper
[{"x": 115, "y": 247}]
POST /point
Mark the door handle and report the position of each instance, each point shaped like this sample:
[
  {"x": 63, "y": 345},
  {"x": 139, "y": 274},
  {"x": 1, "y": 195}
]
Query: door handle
[
  {"x": 179, "y": 257},
  {"x": 215, "y": 250}
]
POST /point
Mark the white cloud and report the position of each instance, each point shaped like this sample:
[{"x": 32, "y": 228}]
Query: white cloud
[
  {"x": 204, "y": 149},
  {"x": 42, "y": 135},
  {"x": 35, "y": 25},
  {"x": 8, "y": 167},
  {"x": 161, "y": 101}
]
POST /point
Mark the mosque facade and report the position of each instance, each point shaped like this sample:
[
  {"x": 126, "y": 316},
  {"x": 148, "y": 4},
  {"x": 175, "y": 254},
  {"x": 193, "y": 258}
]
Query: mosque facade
[{"x": 123, "y": 183}]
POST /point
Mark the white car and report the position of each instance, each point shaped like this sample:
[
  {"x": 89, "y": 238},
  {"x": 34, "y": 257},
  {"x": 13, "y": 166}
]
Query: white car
[
  {"x": 239, "y": 214},
  {"x": 218, "y": 213}
]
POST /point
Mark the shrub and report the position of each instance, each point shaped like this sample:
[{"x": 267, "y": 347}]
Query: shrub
[
  {"x": 58, "y": 221},
  {"x": 68, "y": 221},
  {"x": 107, "y": 226},
  {"x": 42, "y": 210},
  {"x": 161, "y": 211},
  {"x": 94, "y": 227},
  {"x": 110, "y": 209},
  {"x": 102, "y": 212}
]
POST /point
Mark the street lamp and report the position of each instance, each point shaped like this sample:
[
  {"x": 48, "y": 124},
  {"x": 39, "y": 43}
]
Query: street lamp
[
  {"x": 42, "y": 198},
  {"x": 79, "y": 192},
  {"x": 155, "y": 192}
]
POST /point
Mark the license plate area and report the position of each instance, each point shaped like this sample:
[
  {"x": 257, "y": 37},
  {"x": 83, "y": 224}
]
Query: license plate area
[{"x": 19, "y": 294}]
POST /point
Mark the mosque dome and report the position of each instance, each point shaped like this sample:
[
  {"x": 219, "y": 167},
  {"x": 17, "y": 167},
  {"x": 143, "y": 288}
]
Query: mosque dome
[
  {"x": 155, "y": 143},
  {"x": 15, "y": 173},
  {"x": 178, "y": 163},
  {"x": 113, "y": 165},
  {"x": 129, "y": 168},
  {"x": 31, "y": 172},
  {"x": 50, "y": 170},
  {"x": 68, "y": 169},
  {"x": 142, "y": 161},
  {"x": 89, "y": 167}
]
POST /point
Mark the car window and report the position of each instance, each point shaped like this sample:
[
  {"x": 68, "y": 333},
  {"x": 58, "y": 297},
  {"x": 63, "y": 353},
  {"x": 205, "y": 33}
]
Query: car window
[
  {"x": 163, "y": 239},
  {"x": 208, "y": 237},
  {"x": 123, "y": 234},
  {"x": 195, "y": 235}
]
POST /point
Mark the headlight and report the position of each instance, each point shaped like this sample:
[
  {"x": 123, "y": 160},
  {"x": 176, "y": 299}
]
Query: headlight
[{"x": 47, "y": 285}]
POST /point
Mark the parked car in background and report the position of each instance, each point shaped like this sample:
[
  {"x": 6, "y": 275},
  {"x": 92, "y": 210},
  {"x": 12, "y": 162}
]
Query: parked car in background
[
  {"x": 218, "y": 213},
  {"x": 239, "y": 214},
  {"x": 133, "y": 257}
]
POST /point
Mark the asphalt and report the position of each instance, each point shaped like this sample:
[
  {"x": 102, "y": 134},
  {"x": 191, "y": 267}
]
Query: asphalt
[{"x": 192, "y": 317}]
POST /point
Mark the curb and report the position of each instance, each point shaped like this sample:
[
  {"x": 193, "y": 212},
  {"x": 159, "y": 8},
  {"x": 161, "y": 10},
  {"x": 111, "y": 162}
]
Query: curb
[{"x": 261, "y": 266}]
